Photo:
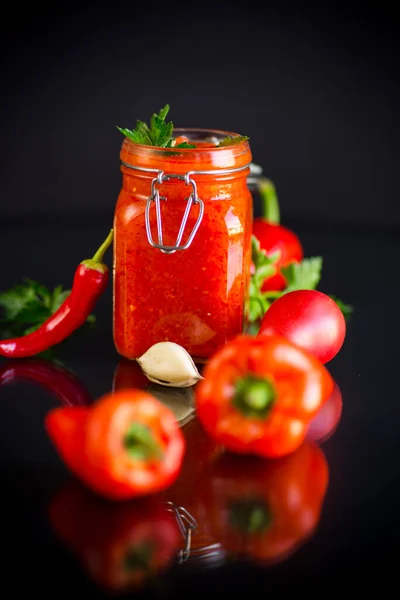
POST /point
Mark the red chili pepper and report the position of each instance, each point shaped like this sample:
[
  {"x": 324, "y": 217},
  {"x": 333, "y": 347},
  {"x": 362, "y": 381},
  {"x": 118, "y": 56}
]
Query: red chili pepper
[
  {"x": 121, "y": 548},
  {"x": 263, "y": 510},
  {"x": 274, "y": 237},
  {"x": 90, "y": 281},
  {"x": 127, "y": 444},
  {"x": 259, "y": 394},
  {"x": 52, "y": 377}
]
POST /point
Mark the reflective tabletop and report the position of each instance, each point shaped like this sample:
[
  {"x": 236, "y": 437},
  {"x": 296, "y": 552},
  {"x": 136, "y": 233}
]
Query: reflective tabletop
[{"x": 330, "y": 510}]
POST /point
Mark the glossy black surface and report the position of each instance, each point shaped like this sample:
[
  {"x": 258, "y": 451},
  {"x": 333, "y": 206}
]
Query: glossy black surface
[{"x": 360, "y": 515}]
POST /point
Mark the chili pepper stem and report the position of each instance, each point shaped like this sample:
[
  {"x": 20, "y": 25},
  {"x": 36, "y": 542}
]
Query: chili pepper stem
[
  {"x": 98, "y": 256},
  {"x": 269, "y": 200},
  {"x": 97, "y": 261},
  {"x": 254, "y": 396}
]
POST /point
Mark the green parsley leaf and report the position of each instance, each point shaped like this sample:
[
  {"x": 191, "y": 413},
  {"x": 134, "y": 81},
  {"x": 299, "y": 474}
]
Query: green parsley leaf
[
  {"x": 299, "y": 276},
  {"x": 15, "y": 299},
  {"x": 25, "y": 306},
  {"x": 158, "y": 134},
  {"x": 305, "y": 275},
  {"x": 232, "y": 140},
  {"x": 347, "y": 309},
  {"x": 264, "y": 267}
]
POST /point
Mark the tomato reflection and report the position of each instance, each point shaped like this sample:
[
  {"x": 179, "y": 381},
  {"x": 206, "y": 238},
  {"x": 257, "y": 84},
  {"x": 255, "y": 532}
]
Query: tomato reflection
[
  {"x": 325, "y": 423},
  {"x": 262, "y": 509},
  {"x": 121, "y": 546}
]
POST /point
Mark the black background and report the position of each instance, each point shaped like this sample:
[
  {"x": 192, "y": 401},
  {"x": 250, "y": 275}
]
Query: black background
[
  {"x": 317, "y": 90},
  {"x": 315, "y": 86}
]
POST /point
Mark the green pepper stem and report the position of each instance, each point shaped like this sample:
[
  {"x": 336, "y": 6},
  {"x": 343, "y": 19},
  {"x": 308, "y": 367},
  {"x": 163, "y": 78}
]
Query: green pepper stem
[
  {"x": 254, "y": 396},
  {"x": 140, "y": 442},
  {"x": 98, "y": 256},
  {"x": 269, "y": 200}
]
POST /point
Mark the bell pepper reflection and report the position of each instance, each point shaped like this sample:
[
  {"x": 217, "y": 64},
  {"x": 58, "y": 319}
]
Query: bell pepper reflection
[
  {"x": 262, "y": 510},
  {"x": 121, "y": 547}
]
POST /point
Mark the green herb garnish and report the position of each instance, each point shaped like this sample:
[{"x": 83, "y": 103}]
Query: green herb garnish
[
  {"x": 305, "y": 275},
  {"x": 25, "y": 306},
  {"x": 158, "y": 134},
  {"x": 264, "y": 267},
  {"x": 231, "y": 141},
  {"x": 346, "y": 309}
]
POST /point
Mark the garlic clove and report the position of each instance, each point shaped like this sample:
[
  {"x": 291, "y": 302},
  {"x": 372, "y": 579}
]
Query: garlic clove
[
  {"x": 180, "y": 400},
  {"x": 169, "y": 364}
]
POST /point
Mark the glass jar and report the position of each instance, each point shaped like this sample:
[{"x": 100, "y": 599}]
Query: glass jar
[{"x": 182, "y": 244}]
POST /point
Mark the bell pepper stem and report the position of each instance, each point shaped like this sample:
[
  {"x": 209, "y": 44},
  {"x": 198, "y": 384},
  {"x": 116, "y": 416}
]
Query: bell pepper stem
[
  {"x": 98, "y": 256},
  {"x": 254, "y": 396},
  {"x": 140, "y": 443},
  {"x": 269, "y": 200}
]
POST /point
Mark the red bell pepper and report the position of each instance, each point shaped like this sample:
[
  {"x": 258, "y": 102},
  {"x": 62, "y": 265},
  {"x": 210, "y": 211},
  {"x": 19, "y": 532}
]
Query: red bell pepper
[
  {"x": 259, "y": 394},
  {"x": 66, "y": 426},
  {"x": 127, "y": 444}
]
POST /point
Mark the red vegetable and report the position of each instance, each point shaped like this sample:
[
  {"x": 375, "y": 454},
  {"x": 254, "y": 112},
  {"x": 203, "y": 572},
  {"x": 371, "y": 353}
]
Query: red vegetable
[
  {"x": 259, "y": 394},
  {"x": 52, "y": 377},
  {"x": 66, "y": 428},
  {"x": 90, "y": 281},
  {"x": 274, "y": 237},
  {"x": 308, "y": 318},
  {"x": 127, "y": 444}
]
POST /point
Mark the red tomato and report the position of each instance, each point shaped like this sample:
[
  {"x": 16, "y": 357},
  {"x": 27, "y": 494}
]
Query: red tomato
[
  {"x": 308, "y": 318},
  {"x": 276, "y": 238}
]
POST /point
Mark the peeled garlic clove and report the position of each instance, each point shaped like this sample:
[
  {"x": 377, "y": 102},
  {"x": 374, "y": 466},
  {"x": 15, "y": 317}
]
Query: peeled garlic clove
[{"x": 167, "y": 363}]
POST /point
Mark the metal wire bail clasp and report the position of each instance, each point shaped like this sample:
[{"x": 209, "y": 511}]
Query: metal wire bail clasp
[{"x": 156, "y": 198}]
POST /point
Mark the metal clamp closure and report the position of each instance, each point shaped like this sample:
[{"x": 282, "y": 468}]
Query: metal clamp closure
[{"x": 191, "y": 200}]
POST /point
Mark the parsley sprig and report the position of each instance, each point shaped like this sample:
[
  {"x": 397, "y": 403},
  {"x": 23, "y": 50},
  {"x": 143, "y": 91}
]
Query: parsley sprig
[
  {"x": 305, "y": 275},
  {"x": 25, "y": 306},
  {"x": 159, "y": 133}
]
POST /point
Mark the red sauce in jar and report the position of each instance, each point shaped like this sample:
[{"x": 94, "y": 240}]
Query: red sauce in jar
[{"x": 195, "y": 297}]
